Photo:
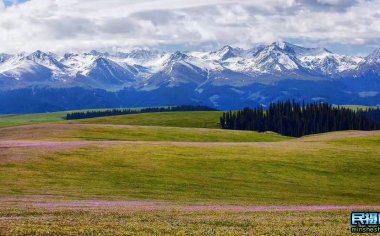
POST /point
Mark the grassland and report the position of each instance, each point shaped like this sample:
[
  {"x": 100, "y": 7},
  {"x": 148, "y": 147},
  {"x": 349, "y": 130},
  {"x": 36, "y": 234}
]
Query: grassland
[
  {"x": 286, "y": 172},
  {"x": 37, "y": 221},
  {"x": 131, "y": 158},
  {"x": 168, "y": 119},
  {"x": 18, "y": 120},
  {"x": 93, "y": 132},
  {"x": 173, "y": 119}
]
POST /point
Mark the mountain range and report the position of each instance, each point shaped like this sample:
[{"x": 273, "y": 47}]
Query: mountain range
[{"x": 228, "y": 78}]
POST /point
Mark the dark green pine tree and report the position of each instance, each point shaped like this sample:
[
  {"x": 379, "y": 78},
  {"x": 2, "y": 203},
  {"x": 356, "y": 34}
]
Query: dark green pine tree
[{"x": 293, "y": 119}]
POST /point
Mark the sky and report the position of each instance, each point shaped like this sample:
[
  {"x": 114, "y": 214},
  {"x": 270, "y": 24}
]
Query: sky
[{"x": 344, "y": 26}]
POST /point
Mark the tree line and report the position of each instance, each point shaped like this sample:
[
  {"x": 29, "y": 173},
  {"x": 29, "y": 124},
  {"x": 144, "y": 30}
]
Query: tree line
[
  {"x": 127, "y": 111},
  {"x": 371, "y": 113},
  {"x": 294, "y": 119}
]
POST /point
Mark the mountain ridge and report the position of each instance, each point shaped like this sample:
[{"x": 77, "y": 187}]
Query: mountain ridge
[
  {"x": 279, "y": 59},
  {"x": 226, "y": 78}
]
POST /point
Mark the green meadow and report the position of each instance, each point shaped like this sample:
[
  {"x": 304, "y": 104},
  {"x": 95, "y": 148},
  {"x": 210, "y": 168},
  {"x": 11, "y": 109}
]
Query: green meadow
[
  {"x": 172, "y": 119},
  {"x": 157, "y": 158},
  {"x": 18, "y": 120},
  {"x": 280, "y": 173},
  {"x": 93, "y": 132},
  {"x": 201, "y": 119}
]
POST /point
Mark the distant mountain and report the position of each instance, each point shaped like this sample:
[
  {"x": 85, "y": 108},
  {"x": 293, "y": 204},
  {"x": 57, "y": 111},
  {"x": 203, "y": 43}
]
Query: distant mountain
[
  {"x": 371, "y": 65},
  {"x": 226, "y": 78}
]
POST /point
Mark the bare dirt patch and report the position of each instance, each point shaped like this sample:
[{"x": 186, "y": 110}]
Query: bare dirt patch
[
  {"x": 25, "y": 143},
  {"x": 66, "y": 144},
  {"x": 146, "y": 205}
]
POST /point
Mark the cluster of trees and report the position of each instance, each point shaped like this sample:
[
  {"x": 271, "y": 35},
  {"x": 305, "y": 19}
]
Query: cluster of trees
[
  {"x": 116, "y": 112},
  {"x": 295, "y": 119},
  {"x": 371, "y": 113}
]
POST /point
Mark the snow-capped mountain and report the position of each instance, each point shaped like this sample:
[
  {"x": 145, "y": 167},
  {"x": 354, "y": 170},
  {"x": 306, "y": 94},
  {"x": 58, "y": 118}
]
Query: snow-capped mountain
[
  {"x": 179, "y": 69},
  {"x": 207, "y": 76},
  {"x": 374, "y": 57},
  {"x": 273, "y": 62},
  {"x": 371, "y": 66},
  {"x": 24, "y": 68}
]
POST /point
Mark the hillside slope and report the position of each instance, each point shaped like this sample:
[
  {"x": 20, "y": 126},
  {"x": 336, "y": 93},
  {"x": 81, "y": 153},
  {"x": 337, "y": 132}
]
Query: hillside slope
[{"x": 319, "y": 171}]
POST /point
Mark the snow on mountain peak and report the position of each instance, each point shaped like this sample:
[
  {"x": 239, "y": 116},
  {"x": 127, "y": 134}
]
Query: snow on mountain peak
[
  {"x": 280, "y": 44},
  {"x": 278, "y": 59},
  {"x": 48, "y": 60},
  {"x": 178, "y": 56},
  {"x": 374, "y": 57},
  {"x": 299, "y": 50},
  {"x": 274, "y": 57},
  {"x": 98, "y": 54},
  {"x": 4, "y": 57},
  {"x": 144, "y": 54},
  {"x": 226, "y": 53}
]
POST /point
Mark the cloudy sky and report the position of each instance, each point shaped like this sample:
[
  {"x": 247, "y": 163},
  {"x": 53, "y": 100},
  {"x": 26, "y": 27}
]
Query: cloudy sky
[{"x": 346, "y": 26}]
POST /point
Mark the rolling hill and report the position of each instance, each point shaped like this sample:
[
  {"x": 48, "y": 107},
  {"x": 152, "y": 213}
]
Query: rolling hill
[
  {"x": 172, "y": 119},
  {"x": 293, "y": 170},
  {"x": 141, "y": 173}
]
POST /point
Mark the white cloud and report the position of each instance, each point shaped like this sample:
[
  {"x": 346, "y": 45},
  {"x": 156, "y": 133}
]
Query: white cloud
[
  {"x": 57, "y": 25},
  {"x": 333, "y": 2}
]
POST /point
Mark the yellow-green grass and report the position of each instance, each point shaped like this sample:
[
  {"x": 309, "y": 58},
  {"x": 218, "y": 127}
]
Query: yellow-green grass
[
  {"x": 89, "y": 132},
  {"x": 293, "y": 172},
  {"x": 339, "y": 168},
  {"x": 199, "y": 119},
  {"x": 21, "y": 221},
  {"x": 174, "y": 119},
  {"x": 37, "y": 118},
  {"x": 18, "y": 120}
]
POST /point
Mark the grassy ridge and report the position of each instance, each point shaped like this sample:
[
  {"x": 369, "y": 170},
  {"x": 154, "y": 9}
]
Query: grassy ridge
[
  {"x": 177, "y": 119},
  {"x": 18, "y": 120},
  {"x": 289, "y": 173},
  {"x": 200, "y": 119},
  {"x": 339, "y": 168},
  {"x": 88, "y": 132},
  {"x": 173, "y": 119}
]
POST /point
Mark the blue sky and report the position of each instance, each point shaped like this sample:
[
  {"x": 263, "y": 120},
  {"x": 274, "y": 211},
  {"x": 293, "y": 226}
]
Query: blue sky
[
  {"x": 12, "y": 2},
  {"x": 344, "y": 26}
]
